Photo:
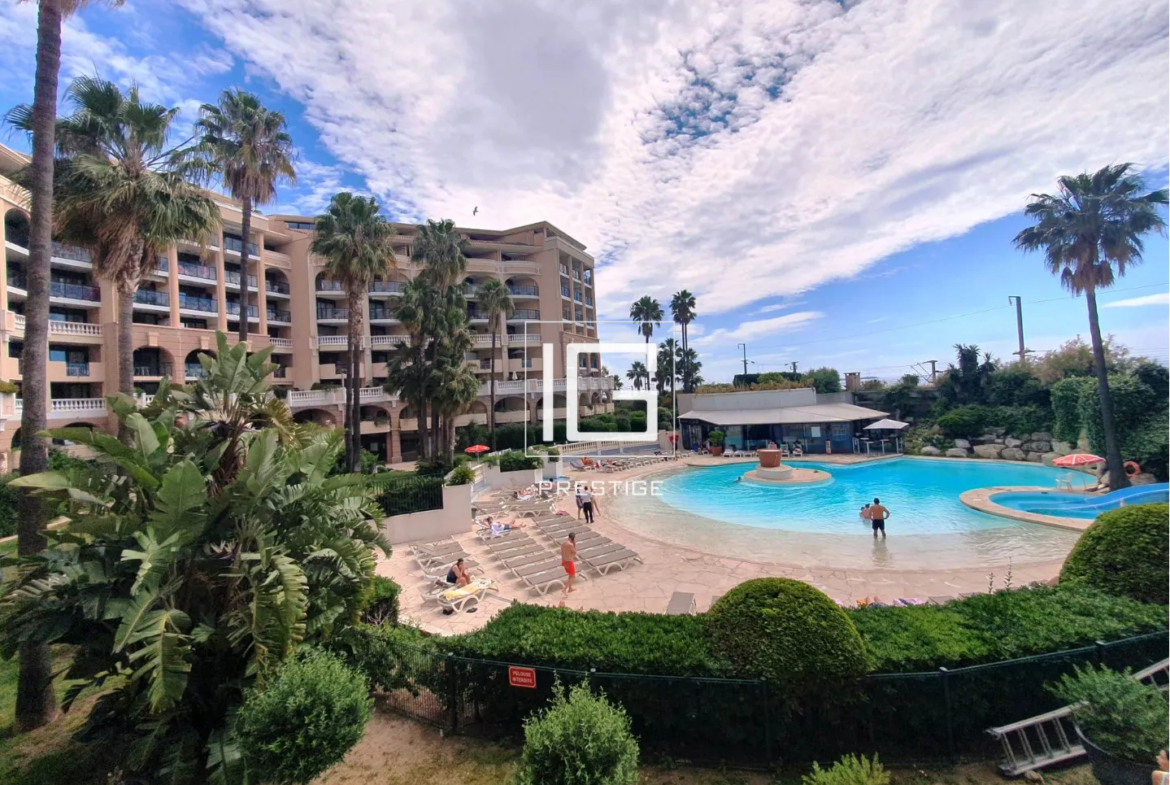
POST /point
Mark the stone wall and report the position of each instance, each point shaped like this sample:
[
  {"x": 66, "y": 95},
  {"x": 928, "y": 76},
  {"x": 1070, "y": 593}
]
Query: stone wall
[{"x": 1039, "y": 447}]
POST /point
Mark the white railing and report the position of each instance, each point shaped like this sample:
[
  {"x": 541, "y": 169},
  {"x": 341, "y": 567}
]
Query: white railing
[
  {"x": 75, "y": 328},
  {"x": 388, "y": 340},
  {"x": 375, "y": 395},
  {"x": 598, "y": 448},
  {"x": 332, "y": 340},
  {"x": 284, "y": 342},
  {"x": 524, "y": 338},
  {"x": 535, "y": 384},
  {"x": 311, "y": 397},
  {"x": 18, "y": 321}
]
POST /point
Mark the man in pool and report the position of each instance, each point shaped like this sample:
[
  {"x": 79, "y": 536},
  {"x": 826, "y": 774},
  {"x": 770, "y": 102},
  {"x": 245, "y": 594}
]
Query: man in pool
[{"x": 877, "y": 516}]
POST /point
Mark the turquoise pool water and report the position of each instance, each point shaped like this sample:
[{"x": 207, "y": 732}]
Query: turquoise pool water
[
  {"x": 1074, "y": 505},
  {"x": 922, "y": 496}
]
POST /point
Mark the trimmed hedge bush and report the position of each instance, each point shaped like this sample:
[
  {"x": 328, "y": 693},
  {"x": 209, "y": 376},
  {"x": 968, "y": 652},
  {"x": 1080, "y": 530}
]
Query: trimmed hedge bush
[
  {"x": 578, "y": 740},
  {"x": 518, "y": 461},
  {"x": 1000, "y": 626},
  {"x": 1119, "y": 714},
  {"x": 1124, "y": 552},
  {"x": 305, "y": 720},
  {"x": 786, "y": 632},
  {"x": 382, "y": 603}
]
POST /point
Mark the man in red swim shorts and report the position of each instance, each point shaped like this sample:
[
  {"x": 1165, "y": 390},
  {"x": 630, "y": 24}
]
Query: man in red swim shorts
[{"x": 568, "y": 559}]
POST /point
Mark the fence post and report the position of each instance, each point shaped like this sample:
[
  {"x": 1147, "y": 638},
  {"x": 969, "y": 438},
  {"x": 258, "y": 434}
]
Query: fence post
[
  {"x": 945, "y": 675},
  {"x": 453, "y": 692},
  {"x": 1099, "y": 652},
  {"x": 767, "y": 726}
]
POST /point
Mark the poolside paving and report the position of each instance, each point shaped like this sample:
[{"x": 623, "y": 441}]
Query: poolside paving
[{"x": 668, "y": 568}]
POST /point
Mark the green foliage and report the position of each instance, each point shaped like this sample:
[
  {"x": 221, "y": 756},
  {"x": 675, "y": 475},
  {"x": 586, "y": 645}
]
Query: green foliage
[
  {"x": 850, "y": 770},
  {"x": 665, "y": 418},
  {"x": 1016, "y": 385},
  {"x": 1132, "y": 402},
  {"x": 388, "y": 656},
  {"x": 716, "y": 438},
  {"x": 786, "y": 632},
  {"x": 1117, "y": 712},
  {"x": 304, "y": 720},
  {"x": 9, "y": 500},
  {"x": 581, "y": 739},
  {"x": 964, "y": 422},
  {"x": 8, "y": 388},
  {"x": 433, "y": 467},
  {"x": 518, "y": 461},
  {"x": 403, "y": 493},
  {"x": 1066, "y": 407},
  {"x": 1124, "y": 552},
  {"x": 1074, "y": 359},
  {"x": 461, "y": 475},
  {"x": 382, "y": 601},
  {"x": 825, "y": 380},
  {"x": 1004, "y": 625},
  {"x": 369, "y": 461},
  {"x": 579, "y": 640},
  {"x": 220, "y": 544}
]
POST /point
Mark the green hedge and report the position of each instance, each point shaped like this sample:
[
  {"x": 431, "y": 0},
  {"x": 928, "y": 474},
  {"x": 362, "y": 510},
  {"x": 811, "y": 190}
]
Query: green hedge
[
  {"x": 1000, "y": 626},
  {"x": 411, "y": 494},
  {"x": 518, "y": 461},
  {"x": 1124, "y": 552}
]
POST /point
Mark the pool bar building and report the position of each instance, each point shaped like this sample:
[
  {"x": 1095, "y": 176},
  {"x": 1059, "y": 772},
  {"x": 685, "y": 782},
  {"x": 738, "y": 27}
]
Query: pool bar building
[{"x": 817, "y": 423}]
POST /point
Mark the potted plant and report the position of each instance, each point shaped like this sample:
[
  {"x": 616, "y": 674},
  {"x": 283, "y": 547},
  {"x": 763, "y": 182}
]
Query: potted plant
[
  {"x": 715, "y": 439},
  {"x": 1121, "y": 722}
]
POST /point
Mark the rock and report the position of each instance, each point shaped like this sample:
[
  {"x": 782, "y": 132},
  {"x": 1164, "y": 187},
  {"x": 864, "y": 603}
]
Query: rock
[
  {"x": 987, "y": 450},
  {"x": 1034, "y": 457},
  {"x": 1012, "y": 454},
  {"x": 1012, "y": 442},
  {"x": 928, "y": 450},
  {"x": 1041, "y": 436},
  {"x": 1145, "y": 478},
  {"x": 1038, "y": 446},
  {"x": 1061, "y": 448},
  {"x": 1048, "y": 457},
  {"x": 956, "y": 452},
  {"x": 963, "y": 444},
  {"x": 999, "y": 440},
  {"x": 1033, "y": 776},
  {"x": 986, "y": 438}
]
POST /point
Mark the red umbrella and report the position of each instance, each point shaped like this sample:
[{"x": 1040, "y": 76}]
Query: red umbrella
[
  {"x": 476, "y": 449},
  {"x": 1077, "y": 459}
]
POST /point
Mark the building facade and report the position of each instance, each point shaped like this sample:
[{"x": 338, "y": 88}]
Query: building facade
[{"x": 199, "y": 288}]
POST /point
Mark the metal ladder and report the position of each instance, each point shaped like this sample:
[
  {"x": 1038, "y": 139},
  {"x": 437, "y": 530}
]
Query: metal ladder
[{"x": 1049, "y": 738}]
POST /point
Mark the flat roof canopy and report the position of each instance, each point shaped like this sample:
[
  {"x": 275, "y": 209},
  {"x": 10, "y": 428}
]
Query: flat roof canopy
[{"x": 784, "y": 415}]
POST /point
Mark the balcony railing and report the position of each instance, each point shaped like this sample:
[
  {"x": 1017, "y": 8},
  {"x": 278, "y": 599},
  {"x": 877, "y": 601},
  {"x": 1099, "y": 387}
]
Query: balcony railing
[
  {"x": 17, "y": 280},
  {"x": 195, "y": 371},
  {"x": 524, "y": 291},
  {"x": 381, "y": 314},
  {"x": 577, "y": 296},
  {"x": 77, "y": 369},
  {"x": 474, "y": 314},
  {"x": 73, "y": 291},
  {"x": 391, "y": 287},
  {"x": 282, "y": 342},
  {"x": 161, "y": 265},
  {"x": 156, "y": 369},
  {"x": 280, "y": 372},
  {"x": 71, "y": 328},
  {"x": 233, "y": 277},
  {"x": 233, "y": 309},
  {"x": 280, "y": 287},
  {"x": 326, "y": 285},
  {"x": 485, "y": 365},
  {"x": 205, "y": 304},
  {"x": 200, "y": 271},
  {"x": 148, "y": 297},
  {"x": 529, "y": 314},
  {"x": 333, "y": 340},
  {"x": 232, "y": 244},
  {"x": 279, "y": 316},
  {"x": 62, "y": 251},
  {"x": 332, "y": 313}
]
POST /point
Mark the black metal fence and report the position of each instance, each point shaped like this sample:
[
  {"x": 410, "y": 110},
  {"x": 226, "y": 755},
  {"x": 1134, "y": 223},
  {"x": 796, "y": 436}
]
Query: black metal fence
[
  {"x": 903, "y": 717},
  {"x": 412, "y": 494}
]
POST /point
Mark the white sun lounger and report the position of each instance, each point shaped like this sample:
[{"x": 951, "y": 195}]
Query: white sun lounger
[
  {"x": 682, "y": 603},
  {"x": 546, "y": 580},
  {"x": 616, "y": 560},
  {"x": 517, "y": 554},
  {"x": 520, "y": 561},
  {"x": 435, "y": 548},
  {"x": 462, "y": 597}
]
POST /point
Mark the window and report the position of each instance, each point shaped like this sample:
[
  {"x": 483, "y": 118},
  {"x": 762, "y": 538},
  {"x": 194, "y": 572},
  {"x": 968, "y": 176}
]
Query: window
[
  {"x": 302, "y": 225},
  {"x": 66, "y": 315},
  {"x": 564, "y": 290},
  {"x": 195, "y": 324},
  {"x": 148, "y": 318}
]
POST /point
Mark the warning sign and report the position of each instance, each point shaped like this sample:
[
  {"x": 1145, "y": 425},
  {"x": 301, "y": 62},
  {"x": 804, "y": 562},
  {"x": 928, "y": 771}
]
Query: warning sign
[{"x": 522, "y": 677}]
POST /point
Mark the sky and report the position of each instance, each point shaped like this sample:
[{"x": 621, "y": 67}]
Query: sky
[{"x": 837, "y": 181}]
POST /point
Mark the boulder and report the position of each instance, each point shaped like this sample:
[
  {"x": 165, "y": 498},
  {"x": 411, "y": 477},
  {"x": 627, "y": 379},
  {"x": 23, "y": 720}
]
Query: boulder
[
  {"x": 1039, "y": 446},
  {"x": 986, "y": 438},
  {"x": 999, "y": 440},
  {"x": 1048, "y": 458},
  {"x": 1145, "y": 478},
  {"x": 1034, "y": 457},
  {"x": 1061, "y": 448},
  {"x": 928, "y": 450},
  {"x": 999, "y": 431},
  {"x": 963, "y": 444},
  {"x": 987, "y": 450},
  {"x": 1041, "y": 436},
  {"x": 956, "y": 452},
  {"x": 1012, "y": 454},
  {"x": 1012, "y": 442}
]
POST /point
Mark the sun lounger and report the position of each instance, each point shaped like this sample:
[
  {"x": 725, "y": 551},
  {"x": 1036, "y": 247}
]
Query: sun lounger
[
  {"x": 597, "y": 550},
  {"x": 511, "y": 544},
  {"x": 682, "y": 603},
  {"x": 533, "y": 568},
  {"x": 519, "y": 561},
  {"x": 546, "y": 581},
  {"x": 617, "y": 560},
  {"x": 440, "y": 561},
  {"x": 435, "y": 548},
  {"x": 939, "y": 600},
  {"x": 905, "y": 602},
  {"x": 519, "y": 554},
  {"x": 462, "y": 597}
]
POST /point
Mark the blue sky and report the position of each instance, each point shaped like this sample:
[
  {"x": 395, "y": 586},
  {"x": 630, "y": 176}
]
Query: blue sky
[{"x": 837, "y": 182}]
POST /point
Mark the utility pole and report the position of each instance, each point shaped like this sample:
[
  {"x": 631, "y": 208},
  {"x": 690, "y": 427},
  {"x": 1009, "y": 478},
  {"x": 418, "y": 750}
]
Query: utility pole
[
  {"x": 933, "y": 372},
  {"x": 793, "y": 364},
  {"x": 1023, "y": 354},
  {"x": 744, "y": 347}
]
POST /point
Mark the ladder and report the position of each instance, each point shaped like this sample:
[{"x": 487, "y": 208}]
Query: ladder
[{"x": 1051, "y": 738}]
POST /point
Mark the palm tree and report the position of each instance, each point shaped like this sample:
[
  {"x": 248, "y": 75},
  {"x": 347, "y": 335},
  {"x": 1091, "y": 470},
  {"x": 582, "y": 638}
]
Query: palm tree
[
  {"x": 248, "y": 147},
  {"x": 35, "y": 704},
  {"x": 354, "y": 238},
  {"x": 648, "y": 313},
  {"x": 687, "y": 365},
  {"x": 409, "y": 373},
  {"x": 122, "y": 193},
  {"x": 682, "y": 310},
  {"x": 495, "y": 301},
  {"x": 1090, "y": 233},
  {"x": 637, "y": 373},
  {"x": 668, "y": 351}
]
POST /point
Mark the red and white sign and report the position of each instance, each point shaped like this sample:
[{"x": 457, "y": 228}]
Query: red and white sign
[{"x": 522, "y": 677}]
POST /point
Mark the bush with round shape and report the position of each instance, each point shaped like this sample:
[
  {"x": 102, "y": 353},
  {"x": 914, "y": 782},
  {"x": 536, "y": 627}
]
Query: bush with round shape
[
  {"x": 850, "y": 770},
  {"x": 580, "y": 739},
  {"x": 788, "y": 633},
  {"x": 1118, "y": 713},
  {"x": 304, "y": 720},
  {"x": 1125, "y": 553},
  {"x": 461, "y": 475}
]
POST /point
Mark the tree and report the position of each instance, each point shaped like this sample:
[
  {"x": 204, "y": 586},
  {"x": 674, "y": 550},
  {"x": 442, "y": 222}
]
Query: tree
[
  {"x": 410, "y": 373},
  {"x": 495, "y": 302},
  {"x": 637, "y": 374},
  {"x": 967, "y": 381},
  {"x": 682, "y": 310},
  {"x": 248, "y": 147},
  {"x": 35, "y": 704},
  {"x": 1090, "y": 232},
  {"x": 354, "y": 237},
  {"x": 667, "y": 372},
  {"x": 193, "y": 560},
  {"x": 688, "y": 366},
  {"x": 1074, "y": 358},
  {"x": 648, "y": 314},
  {"x": 825, "y": 380}
]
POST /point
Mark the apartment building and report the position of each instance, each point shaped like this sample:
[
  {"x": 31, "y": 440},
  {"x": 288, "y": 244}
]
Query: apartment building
[{"x": 199, "y": 287}]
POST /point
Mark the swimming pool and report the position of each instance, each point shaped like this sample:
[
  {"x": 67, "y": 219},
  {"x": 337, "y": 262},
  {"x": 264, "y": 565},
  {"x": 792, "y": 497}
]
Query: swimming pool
[
  {"x": 711, "y": 509},
  {"x": 1074, "y": 505}
]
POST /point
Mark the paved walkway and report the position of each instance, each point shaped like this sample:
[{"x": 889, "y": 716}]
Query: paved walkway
[{"x": 667, "y": 568}]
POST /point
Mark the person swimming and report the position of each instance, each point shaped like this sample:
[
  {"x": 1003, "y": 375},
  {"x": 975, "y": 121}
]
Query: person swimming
[{"x": 864, "y": 514}]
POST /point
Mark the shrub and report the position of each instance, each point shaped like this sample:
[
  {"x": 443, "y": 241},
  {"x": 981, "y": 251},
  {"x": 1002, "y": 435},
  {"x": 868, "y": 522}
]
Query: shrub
[
  {"x": 9, "y": 388},
  {"x": 786, "y": 632},
  {"x": 518, "y": 461},
  {"x": 382, "y": 603},
  {"x": 849, "y": 770},
  {"x": 1117, "y": 712},
  {"x": 716, "y": 438},
  {"x": 407, "y": 494},
  {"x": 461, "y": 475},
  {"x": 389, "y": 657},
  {"x": 1125, "y": 553},
  {"x": 369, "y": 462},
  {"x": 1066, "y": 407},
  {"x": 1132, "y": 401},
  {"x": 305, "y": 720},
  {"x": 578, "y": 740},
  {"x": 964, "y": 422},
  {"x": 9, "y": 500}
]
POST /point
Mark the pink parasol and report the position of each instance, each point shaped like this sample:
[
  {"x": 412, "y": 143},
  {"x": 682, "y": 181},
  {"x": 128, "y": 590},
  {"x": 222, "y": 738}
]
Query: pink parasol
[
  {"x": 1077, "y": 459},
  {"x": 476, "y": 449}
]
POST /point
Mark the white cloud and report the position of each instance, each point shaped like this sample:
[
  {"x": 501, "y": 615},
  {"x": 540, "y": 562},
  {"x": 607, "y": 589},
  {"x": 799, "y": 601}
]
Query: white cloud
[
  {"x": 1162, "y": 299},
  {"x": 743, "y": 149},
  {"x": 759, "y": 327}
]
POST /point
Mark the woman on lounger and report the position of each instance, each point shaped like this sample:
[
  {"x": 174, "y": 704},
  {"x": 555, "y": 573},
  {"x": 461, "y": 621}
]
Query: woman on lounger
[{"x": 459, "y": 575}]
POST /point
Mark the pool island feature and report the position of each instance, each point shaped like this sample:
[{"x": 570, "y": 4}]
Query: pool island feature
[{"x": 772, "y": 470}]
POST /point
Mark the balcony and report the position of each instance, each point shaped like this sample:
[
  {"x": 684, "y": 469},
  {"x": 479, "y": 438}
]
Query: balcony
[
  {"x": 16, "y": 280},
  {"x": 75, "y": 329},
  {"x": 156, "y": 370},
  {"x": 148, "y": 297},
  {"x": 199, "y": 272},
  {"x": 233, "y": 309},
  {"x": 279, "y": 317},
  {"x": 280, "y": 373},
  {"x": 326, "y": 314},
  {"x": 279, "y": 288},
  {"x": 73, "y": 291},
  {"x": 386, "y": 287},
  {"x": 280, "y": 343},
  {"x": 202, "y": 304},
  {"x": 388, "y": 340},
  {"x": 195, "y": 371},
  {"x": 232, "y": 278},
  {"x": 333, "y": 340},
  {"x": 469, "y": 290},
  {"x": 325, "y": 286},
  {"x": 61, "y": 253},
  {"x": 525, "y": 315},
  {"x": 524, "y": 291},
  {"x": 382, "y": 315},
  {"x": 237, "y": 247}
]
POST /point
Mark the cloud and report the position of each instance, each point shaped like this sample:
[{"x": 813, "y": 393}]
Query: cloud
[
  {"x": 759, "y": 327},
  {"x": 1162, "y": 299}
]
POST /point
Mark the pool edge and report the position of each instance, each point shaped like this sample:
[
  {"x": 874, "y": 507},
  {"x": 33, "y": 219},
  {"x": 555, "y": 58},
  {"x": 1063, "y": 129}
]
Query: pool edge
[{"x": 979, "y": 499}]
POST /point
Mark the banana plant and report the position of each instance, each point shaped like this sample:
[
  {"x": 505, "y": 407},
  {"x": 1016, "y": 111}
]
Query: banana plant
[{"x": 195, "y": 557}]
